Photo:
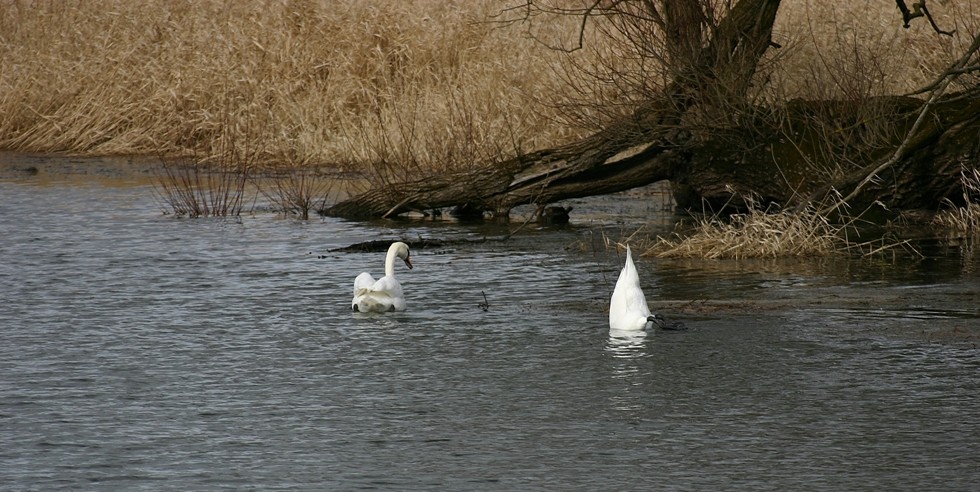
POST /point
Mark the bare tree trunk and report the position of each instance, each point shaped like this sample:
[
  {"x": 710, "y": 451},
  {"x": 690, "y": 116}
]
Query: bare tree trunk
[
  {"x": 629, "y": 154},
  {"x": 719, "y": 166},
  {"x": 715, "y": 172},
  {"x": 638, "y": 150}
]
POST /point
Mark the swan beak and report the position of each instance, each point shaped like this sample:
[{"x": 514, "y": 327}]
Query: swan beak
[{"x": 408, "y": 263}]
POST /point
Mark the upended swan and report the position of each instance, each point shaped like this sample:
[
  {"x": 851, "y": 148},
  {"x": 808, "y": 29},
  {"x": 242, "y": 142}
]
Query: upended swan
[
  {"x": 384, "y": 294},
  {"x": 628, "y": 309}
]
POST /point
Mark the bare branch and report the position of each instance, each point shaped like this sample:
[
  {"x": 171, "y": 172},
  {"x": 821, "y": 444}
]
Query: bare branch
[
  {"x": 940, "y": 86},
  {"x": 919, "y": 10},
  {"x": 531, "y": 9}
]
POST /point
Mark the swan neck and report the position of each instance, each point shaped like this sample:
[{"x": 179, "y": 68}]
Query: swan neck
[{"x": 390, "y": 262}]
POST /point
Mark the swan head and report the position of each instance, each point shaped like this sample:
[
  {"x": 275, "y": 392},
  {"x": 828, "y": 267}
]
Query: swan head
[
  {"x": 396, "y": 250},
  {"x": 401, "y": 250},
  {"x": 657, "y": 320},
  {"x": 662, "y": 323}
]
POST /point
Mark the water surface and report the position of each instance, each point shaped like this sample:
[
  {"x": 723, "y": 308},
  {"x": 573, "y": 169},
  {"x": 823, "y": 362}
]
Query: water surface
[{"x": 140, "y": 351}]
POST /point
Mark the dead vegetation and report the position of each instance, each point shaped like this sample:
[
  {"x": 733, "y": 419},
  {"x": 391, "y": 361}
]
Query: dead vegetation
[
  {"x": 207, "y": 186},
  {"x": 761, "y": 234},
  {"x": 387, "y": 89},
  {"x": 296, "y": 189},
  {"x": 963, "y": 221},
  {"x": 753, "y": 235},
  {"x": 803, "y": 233},
  {"x": 398, "y": 91}
]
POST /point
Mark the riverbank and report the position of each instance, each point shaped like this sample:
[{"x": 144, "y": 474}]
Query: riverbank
[{"x": 17, "y": 165}]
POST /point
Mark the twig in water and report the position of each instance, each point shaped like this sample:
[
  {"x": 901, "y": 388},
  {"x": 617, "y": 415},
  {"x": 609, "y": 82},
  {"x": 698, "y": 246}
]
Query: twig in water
[{"x": 485, "y": 305}]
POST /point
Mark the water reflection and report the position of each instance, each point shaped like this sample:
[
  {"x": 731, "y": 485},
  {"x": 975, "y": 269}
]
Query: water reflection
[
  {"x": 628, "y": 349},
  {"x": 626, "y": 344}
]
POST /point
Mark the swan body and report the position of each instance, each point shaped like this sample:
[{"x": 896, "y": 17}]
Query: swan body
[
  {"x": 384, "y": 294},
  {"x": 628, "y": 309}
]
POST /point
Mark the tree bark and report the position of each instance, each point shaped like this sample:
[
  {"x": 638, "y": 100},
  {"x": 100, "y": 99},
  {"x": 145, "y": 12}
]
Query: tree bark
[
  {"x": 763, "y": 164},
  {"x": 631, "y": 153},
  {"x": 717, "y": 172},
  {"x": 927, "y": 174}
]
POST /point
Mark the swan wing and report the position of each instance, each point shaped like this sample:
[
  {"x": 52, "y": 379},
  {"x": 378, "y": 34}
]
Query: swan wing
[
  {"x": 363, "y": 281},
  {"x": 388, "y": 285},
  {"x": 382, "y": 295}
]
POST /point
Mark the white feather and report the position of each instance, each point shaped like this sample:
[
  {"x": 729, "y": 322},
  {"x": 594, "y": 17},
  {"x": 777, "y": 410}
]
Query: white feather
[{"x": 628, "y": 309}]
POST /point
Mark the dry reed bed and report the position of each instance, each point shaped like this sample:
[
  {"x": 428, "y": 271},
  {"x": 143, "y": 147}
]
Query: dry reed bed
[
  {"x": 850, "y": 50},
  {"x": 753, "y": 235},
  {"x": 318, "y": 82},
  {"x": 759, "y": 234},
  {"x": 411, "y": 86}
]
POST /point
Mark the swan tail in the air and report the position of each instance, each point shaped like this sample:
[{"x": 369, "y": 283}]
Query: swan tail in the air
[{"x": 628, "y": 307}]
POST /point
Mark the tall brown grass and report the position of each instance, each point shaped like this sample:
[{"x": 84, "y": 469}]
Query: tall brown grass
[
  {"x": 860, "y": 49},
  {"x": 754, "y": 235},
  {"x": 398, "y": 88},
  {"x": 395, "y": 87},
  {"x": 762, "y": 234}
]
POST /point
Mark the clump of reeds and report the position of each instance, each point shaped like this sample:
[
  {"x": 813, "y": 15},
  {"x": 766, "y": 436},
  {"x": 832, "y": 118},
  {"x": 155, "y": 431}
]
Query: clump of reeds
[
  {"x": 963, "y": 220},
  {"x": 760, "y": 234},
  {"x": 192, "y": 188},
  {"x": 297, "y": 189},
  {"x": 755, "y": 234},
  {"x": 207, "y": 187}
]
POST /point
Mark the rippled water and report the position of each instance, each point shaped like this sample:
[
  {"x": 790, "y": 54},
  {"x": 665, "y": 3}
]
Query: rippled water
[{"x": 140, "y": 351}]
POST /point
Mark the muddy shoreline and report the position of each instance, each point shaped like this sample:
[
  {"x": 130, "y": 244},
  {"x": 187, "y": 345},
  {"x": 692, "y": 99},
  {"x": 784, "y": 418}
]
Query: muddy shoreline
[{"x": 16, "y": 165}]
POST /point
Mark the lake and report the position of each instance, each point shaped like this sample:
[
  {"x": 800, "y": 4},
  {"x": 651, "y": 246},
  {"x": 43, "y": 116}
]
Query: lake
[{"x": 139, "y": 351}]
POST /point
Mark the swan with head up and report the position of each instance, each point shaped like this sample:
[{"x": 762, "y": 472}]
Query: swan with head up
[
  {"x": 628, "y": 309},
  {"x": 384, "y": 294}
]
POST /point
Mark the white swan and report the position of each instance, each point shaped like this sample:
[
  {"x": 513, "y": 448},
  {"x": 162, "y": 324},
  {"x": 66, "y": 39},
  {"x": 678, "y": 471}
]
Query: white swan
[
  {"x": 385, "y": 294},
  {"x": 628, "y": 309}
]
